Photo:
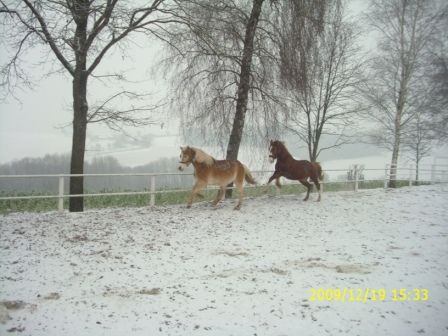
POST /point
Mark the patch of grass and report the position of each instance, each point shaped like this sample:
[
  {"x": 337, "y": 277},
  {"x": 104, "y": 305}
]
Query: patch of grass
[
  {"x": 22, "y": 205},
  {"x": 174, "y": 197}
]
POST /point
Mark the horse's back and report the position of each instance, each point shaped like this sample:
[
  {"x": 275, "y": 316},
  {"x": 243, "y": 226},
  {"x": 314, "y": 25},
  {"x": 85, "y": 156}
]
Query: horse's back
[
  {"x": 296, "y": 169},
  {"x": 223, "y": 172}
]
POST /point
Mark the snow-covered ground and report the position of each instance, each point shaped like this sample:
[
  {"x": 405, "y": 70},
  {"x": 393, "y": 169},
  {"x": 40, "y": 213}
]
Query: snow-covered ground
[{"x": 177, "y": 271}]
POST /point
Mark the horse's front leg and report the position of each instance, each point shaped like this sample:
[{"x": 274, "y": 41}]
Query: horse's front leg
[
  {"x": 276, "y": 176},
  {"x": 198, "y": 186}
]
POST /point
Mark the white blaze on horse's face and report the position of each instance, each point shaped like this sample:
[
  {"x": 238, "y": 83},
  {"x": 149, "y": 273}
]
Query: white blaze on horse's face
[{"x": 184, "y": 160}]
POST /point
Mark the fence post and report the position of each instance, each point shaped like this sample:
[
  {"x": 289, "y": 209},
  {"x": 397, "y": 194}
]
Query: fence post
[
  {"x": 386, "y": 172},
  {"x": 410, "y": 175},
  {"x": 355, "y": 176},
  {"x": 152, "y": 199},
  {"x": 61, "y": 194}
]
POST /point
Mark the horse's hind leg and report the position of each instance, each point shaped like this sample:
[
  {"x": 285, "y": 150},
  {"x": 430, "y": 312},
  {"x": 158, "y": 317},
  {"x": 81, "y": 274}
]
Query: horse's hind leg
[
  {"x": 219, "y": 195},
  {"x": 198, "y": 186},
  {"x": 316, "y": 182},
  {"x": 308, "y": 187},
  {"x": 239, "y": 186}
]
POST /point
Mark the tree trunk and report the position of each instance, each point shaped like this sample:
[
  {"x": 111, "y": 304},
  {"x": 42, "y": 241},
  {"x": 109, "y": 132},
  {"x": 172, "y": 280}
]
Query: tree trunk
[
  {"x": 397, "y": 128},
  {"x": 313, "y": 156},
  {"x": 80, "y": 109},
  {"x": 310, "y": 136},
  {"x": 395, "y": 150},
  {"x": 243, "y": 85},
  {"x": 417, "y": 164},
  {"x": 416, "y": 173},
  {"x": 80, "y": 106},
  {"x": 393, "y": 166}
]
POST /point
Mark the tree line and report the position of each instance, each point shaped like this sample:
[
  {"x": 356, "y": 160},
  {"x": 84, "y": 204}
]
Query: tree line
[
  {"x": 249, "y": 70},
  {"x": 60, "y": 164}
]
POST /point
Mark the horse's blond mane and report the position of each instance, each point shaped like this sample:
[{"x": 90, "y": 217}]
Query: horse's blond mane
[{"x": 203, "y": 157}]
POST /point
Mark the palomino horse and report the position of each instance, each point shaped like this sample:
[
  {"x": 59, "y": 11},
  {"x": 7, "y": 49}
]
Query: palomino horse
[
  {"x": 292, "y": 169},
  {"x": 207, "y": 170}
]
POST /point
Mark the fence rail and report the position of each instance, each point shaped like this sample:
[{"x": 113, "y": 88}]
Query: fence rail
[{"x": 152, "y": 192}]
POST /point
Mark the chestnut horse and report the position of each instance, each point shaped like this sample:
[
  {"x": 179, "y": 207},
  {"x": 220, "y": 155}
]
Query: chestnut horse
[
  {"x": 207, "y": 170},
  {"x": 293, "y": 169}
]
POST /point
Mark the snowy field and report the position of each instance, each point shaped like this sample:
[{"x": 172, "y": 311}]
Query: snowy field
[{"x": 177, "y": 271}]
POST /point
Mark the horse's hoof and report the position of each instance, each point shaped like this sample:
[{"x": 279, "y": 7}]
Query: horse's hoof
[
  {"x": 238, "y": 207},
  {"x": 188, "y": 206}
]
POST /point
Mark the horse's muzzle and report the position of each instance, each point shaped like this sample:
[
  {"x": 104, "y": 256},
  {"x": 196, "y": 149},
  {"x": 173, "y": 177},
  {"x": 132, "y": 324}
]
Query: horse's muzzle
[{"x": 182, "y": 166}]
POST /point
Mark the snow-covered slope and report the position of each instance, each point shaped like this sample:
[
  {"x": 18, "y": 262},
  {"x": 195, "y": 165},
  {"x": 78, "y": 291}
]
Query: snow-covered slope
[{"x": 200, "y": 271}]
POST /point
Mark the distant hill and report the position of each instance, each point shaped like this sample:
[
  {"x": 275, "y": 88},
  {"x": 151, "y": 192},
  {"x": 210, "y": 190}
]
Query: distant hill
[{"x": 60, "y": 164}]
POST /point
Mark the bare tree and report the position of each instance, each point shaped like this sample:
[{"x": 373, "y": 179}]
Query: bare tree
[
  {"x": 437, "y": 72},
  {"x": 78, "y": 34},
  {"x": 227, "y": 75},
  {"x": 418, "y": 141},
  {"x": 225, "y": 71},
  {"x": 406, "y": 28},
  {"x": 439, "y": 111},
  {"x": 322, "y": 75},
  {"x": 243, "y": 85}
]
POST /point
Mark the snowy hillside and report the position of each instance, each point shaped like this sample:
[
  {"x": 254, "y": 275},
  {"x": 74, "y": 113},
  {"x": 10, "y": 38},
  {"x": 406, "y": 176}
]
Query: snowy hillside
[{"x": 177, "y": 271}]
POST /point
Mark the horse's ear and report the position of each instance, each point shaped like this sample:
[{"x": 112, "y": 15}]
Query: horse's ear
[
  {"x": 181, "y": 148},
  {"x": 272, "y": 141}
]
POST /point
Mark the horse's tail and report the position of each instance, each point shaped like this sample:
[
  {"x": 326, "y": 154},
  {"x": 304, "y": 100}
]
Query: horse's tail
[
  {"x": 248, "y": 176},
  {"x": 318, "y": 168}
]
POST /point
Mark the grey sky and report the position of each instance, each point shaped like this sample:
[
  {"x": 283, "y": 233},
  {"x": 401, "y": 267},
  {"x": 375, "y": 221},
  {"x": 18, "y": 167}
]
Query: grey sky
[{"x": 37, "y": 122}]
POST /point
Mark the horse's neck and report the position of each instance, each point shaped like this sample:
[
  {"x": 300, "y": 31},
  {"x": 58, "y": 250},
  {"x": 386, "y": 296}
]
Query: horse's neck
[
  {"x": 196, "y": 164},
  {"x": 285, "y": 155},
  {"x": 199, "y": 165},
  {"x": 202, "y": 157}
]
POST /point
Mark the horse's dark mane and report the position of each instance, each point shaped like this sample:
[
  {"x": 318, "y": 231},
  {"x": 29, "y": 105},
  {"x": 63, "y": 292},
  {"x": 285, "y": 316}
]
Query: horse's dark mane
[{"x": 283, "y": 150}]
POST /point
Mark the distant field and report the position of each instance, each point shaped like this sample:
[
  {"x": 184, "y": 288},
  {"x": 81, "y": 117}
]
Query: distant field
[{"x": 97, "y": 202}]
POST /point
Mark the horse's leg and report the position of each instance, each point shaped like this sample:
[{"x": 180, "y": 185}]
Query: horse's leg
[
  {"x": 316, "y": 182},
  {"x": 219, "y": 195},
  {"x": 276, "y": 176},
  {"x": 277, "y": 182},
  {"x": 308, "y": 187},
  {"x": 239, "y": 186},
  {"x": 198, "y": 186}
]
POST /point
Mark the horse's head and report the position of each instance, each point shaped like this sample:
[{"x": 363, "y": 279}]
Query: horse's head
[
  {"x": 275, "y": 148},
  {"x": 187, "y": 155}
]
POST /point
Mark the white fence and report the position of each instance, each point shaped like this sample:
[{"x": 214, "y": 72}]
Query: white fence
[{"x": 407, "y": 174}]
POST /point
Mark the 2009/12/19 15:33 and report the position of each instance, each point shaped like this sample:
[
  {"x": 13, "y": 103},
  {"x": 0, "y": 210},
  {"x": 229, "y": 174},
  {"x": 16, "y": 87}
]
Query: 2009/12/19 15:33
[{"x": 371, "y": 294}]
